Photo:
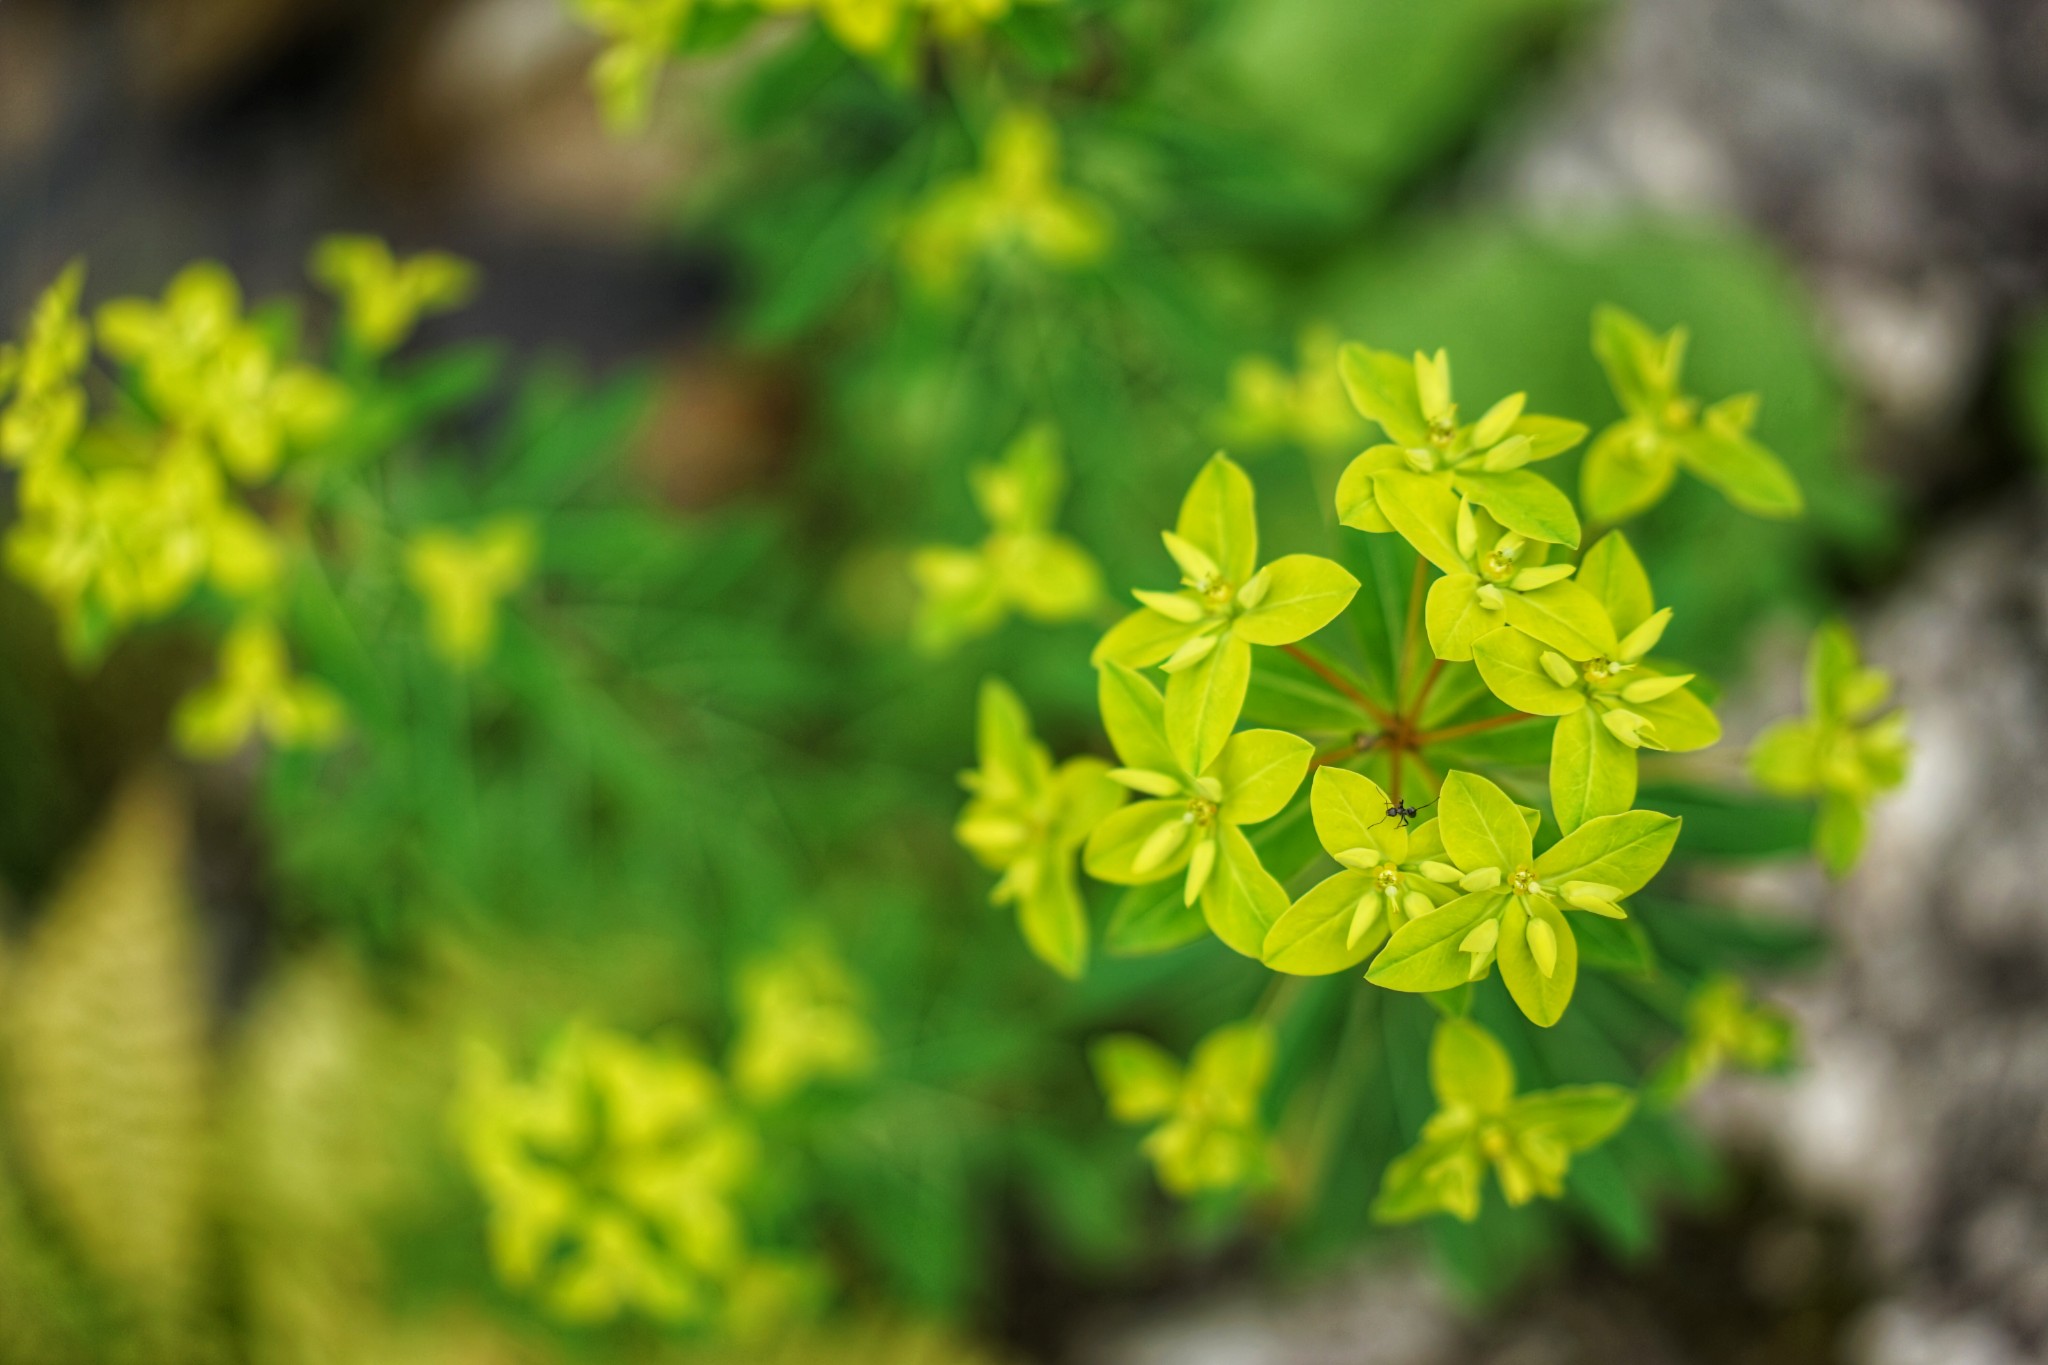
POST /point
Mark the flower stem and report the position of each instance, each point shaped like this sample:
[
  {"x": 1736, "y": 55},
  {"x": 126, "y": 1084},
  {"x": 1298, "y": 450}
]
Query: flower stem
[
  {"x": 1341, "y": 684},
  {"x": 1476, "y": 727}
]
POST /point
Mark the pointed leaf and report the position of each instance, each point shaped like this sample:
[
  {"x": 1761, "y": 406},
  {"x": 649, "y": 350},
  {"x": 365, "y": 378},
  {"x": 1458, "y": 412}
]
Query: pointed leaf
[
  {"x": 1623, "y": 851},
  {"x": 1577, "y": 1117},
  {"x": 1134, "y": 714},
  {"x": 1746, "y": 474},
  {"x": 1469, "y": 1069},
  {"x": 1523, "y": 500},
  {"x": 1564, "y": 616},
  {"x": 1382, "y": 386},
  {"x": 1627, "y": 472},
  {"x": 1456, "y": 617},
  {"x": 1150, "y": 919},
  {"x": 1424, "y": 510},
  {"x": 1140, "y": 1079},
  {"x": 1613, "y": 574},
  {"x": 1511, "y": 664},
  {"x": 1242, "y": 900},
  {"x": 1424, "y": 954},
  {"x": 1541, "y": 997},
  {"x": 1350, "y": 812},
  {"x": 1260, "y": 771},
  {"x": 1357, "y": 504},
  {"x": 1312, "y": 937},
  {"x": 1218, "y": 516},
  {"x": 1305, "y": 593},
  {"x": 1683, "y": 722},
  {"x": 1480, "y": 825},
  {"x": 1591, "y": 772},
  {"x": 1054, "y": 922},
  {"x": 1114, "y": 846},
  {"x": 1204, "y": 701},
  {"x": 1142, "y": 639}
]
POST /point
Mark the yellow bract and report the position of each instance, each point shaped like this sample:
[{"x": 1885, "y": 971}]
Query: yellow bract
[
  {"x": 642, "y": 34},
  {"x": 611, "y": 1177},
  {"x": 1014, "y": 204},
  {"x": 47, "y": 412},
  {"x": 1308, "y": 407},
  {"x": 800, "y": 1021},
  {"x": 384, "y": 298},
  {"x": 255, "y": 695},
  {"x": 462, "y": 579}
]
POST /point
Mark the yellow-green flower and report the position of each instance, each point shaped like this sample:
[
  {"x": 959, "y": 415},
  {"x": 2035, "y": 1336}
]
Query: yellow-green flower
[
  {"x": 213, "y": 376},
  {"x": 130, "y": 542},
  {"x": 1015, "y": 205},
  {"x": 1024, "y": 564},
  {"x": 800, "y": 1020},
  {"x": 383, "y": 298},
  {"x": 641, "y": 36},
  {"x": 1529, "y": 1140},
  {"x": 464, "y": 579},
  {"x": 1631, "y": 464},
  {"x": 46, "y": 413},
  {"x": 1209, "y": 1136},
  {"x": 256, "y": 695},
  {"x": 1846, "y": 751},
  {"x": 1309, "y": 407},
  {"x": 1027, "y": 820},
  {"x": 611, "y": 1177},
  {"x": 1722, "y": 1025}
]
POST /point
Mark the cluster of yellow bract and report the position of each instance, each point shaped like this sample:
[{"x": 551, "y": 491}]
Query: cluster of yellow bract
[
  {"x": 642, "y": 36},
  {"x": 1309, "y": 407},
  {"x": 619, "y": 1176},
  {"x": 1519, "y": 624},
  {"x": 179, "y": 486}
]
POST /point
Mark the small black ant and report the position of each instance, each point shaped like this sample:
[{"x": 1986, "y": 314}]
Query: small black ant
[{"x": 1403, "y": 812}]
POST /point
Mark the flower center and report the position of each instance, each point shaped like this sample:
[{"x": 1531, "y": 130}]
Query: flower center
[
  {"x": 1388, "y": 878},
  {"x": 1201, "y": 812},
  {"x": 1497, "y": 566},
  {"x": 1602, "y": 670},
  {"x": 1524, "y": 882}
]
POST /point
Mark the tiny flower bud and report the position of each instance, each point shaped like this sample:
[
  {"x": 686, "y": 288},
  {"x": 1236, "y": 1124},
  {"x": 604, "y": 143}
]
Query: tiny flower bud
[
  {"x": 1644, "y": 637},
  {"x": 1255, "y": 589},
  {"x": 1422, "y": 461},
  {"x": 1441, "y": 872},
  {"x": 1512, "y": 453},
  {"x": 1528, "y": 580},
  {"x": 1542, "y": 941},
  {"x": 1649, "y": 689},
  {"x": 1482, "y": 939},
  {"x": 1199, "y": 867},
  {"x": 1146, "y": 781},
  {"x": 1499, "y": 418},
  {"x": 1362, "y": 858},
  {"x": 1595, "y": 897},
  {"x": 1560, "y": 669},
  {"x": 1209, "y": 787},
  {"x": 1159, "y": 845},
  {"x": 1172, "y": 605},
  {"x": 1490, "y": 597},
  {"x": 1193, "y": 560},
  {"x": 1628, "y": 727},
  {"x": 1416, "y": 905},
  {"x": 1485, "y": 879},
  {"x": 1362, "y": 918},
  {"x": 1468, "y": 529}
]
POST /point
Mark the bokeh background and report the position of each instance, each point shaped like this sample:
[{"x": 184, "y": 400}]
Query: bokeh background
[{"x": 715, "y": 733}]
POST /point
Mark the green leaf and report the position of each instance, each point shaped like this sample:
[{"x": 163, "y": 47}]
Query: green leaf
[
  {"x": 1152, "y": 919},
  {"x": 1622, "y": 851},
  {"x": 1627, "y": 472},
  {"x": 1481, "y": 826},
  {"x": 1260, "y": 771},
  {"x": 1085, "y": 796},
  {"x": 1613, "y": 574},
  {"x": 1723, "y": 823},
  {"x": 1542, "y": 997},
  {"x": 1424, "y": 510},
  {"x": 1357, "y": 504},
  {"x": 1746, "y": 474},
  {"x": 1440, "y": 1176},
  {"x": 1615, "y": 945},
  {"x": 1591, "y": 772},
  {"x": 1524, "y": 501},
  {"x": 1512, "y": 665},
  {"x": 1838, "y": 832},
  {"x": 1142, "y": 639},
  {"x": 1116, "y": 842},
  {"x": 1020, "y": 492},
  {"x": 1683, "y": 721},
  {"x": 1054, "y": 922},
  {"x": 1469, "y": 1069},
  {"x": 1456, "y": 617},
  {"x": 1786, "y": 757},
  {"x": 1423, "y": 955},
  {"x": 1139, "y": 1078},
  {"x": 1242, "y": 900},
  {"x": 1350, "y": 812},
  {"x": 1310, "y": 939},
  {"x": 1218, "y": 516},
  {"x": 1050, "y": 578},
  {"x": 1635, "y": 360},
  {"x": 1564, "y": 616},
  {"x": 1382, "y": 386},
  {"x": 1548, "y": 436},
  {"x": 1134, "y": 714},
  {"x": 1576, "y": 1117},
  {"x": 1203, "y": 702},
  {"x": 1304, "y": 594},
  {"x": 1232, "y": 1065},
  {"x": 1009, "y": 755}
]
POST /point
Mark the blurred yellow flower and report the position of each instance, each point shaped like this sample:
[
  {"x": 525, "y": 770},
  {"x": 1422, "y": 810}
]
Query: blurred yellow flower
[
  {"x": 1209, "y": 1135},
  {"x": 463, "y": 579},
  {"x": 47, "y": 412},
  {"x": 642, "y": 35},
  {"x": 383, "y": 298},
  {"x": 210, "y": 374},
  {"x": 800, "y": 1020},
  {"x": 611, "y": 1177},
  {"x": 256, "y": 694},
  {"x": 1014, "y": 204},
  {"x": 1309, "y": 407}
]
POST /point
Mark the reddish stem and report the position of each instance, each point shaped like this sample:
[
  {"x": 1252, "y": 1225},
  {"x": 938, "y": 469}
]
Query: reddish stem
[
  {"x": 1475, "y": 727},
  {"x": 1343, "y": 685}
]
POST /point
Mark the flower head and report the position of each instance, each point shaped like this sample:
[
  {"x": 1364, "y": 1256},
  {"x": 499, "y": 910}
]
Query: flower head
[
  {"x": 1529, "y": 1140},
  {"x": 1847, "y": 750},
  {"x": 383, "y": 298},
  {"x": 1209, "y": 1136},
  {"x": 612, "y": 1177},
  {"x": 44, "y": 408},
  {"x": 641, "y": 35},
  {"x": 256, "y": 694},
  {"x": 464, "y": 579},
  {"x": 1723, "y": 1026},
  {"x": 1632, "y": 463},
  {"x": 1308, "y": 407},
  {"x": 1027, "y": 819},
  {"x": 800, "y": 1020}
]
